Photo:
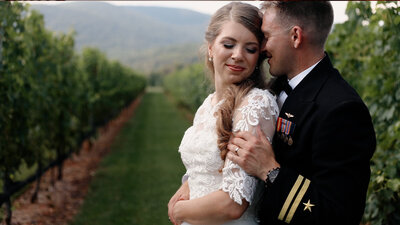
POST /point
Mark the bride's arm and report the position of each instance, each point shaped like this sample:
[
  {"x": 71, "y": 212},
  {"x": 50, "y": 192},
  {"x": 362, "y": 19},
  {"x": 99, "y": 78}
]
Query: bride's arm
[
  {"x": 238, "y": 188},
  {"x": 214, "y": 208},
  {"x": 183, "y": 193}
]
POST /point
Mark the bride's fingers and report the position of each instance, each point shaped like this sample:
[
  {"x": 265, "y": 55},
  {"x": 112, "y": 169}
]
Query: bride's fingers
[
  {"x": 171, "y": 205},
  {"x": 171, "y": 217}
]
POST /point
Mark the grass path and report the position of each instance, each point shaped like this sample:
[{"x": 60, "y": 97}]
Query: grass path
[{"x": 143, "y": 170}]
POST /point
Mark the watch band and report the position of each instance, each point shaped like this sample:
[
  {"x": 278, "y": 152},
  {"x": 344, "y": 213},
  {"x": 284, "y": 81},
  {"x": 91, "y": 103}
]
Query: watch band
[{"x": 271, "y": 176}]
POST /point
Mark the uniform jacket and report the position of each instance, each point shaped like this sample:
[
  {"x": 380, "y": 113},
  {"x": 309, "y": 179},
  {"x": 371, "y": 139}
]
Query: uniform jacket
[{"x": 324, "y": 149}]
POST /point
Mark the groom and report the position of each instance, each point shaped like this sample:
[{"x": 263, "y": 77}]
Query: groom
[{"x": 317, "y": 170}]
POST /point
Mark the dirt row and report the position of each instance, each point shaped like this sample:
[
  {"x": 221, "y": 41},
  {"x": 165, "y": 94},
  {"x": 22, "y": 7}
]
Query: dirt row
[{"x": 59, "y": 201}]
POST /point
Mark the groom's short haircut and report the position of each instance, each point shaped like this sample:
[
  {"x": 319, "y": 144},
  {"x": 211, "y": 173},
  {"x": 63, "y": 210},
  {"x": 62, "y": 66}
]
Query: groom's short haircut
[{"x": 314, "y": 17}]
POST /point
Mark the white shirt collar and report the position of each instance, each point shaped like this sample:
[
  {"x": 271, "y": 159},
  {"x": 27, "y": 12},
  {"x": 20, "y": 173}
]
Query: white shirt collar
[
  {"x": 299, "y": 77},
  {"x": 294, "y": 82}
]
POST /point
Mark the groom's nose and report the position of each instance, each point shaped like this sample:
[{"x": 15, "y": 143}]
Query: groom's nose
[{"x": 264, "y": 46}]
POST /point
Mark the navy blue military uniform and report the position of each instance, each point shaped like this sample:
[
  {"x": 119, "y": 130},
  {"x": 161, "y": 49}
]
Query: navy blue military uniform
[{"x": 324, "y": 142}]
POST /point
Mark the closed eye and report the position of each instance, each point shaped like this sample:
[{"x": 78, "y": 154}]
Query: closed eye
[
  {"x": 251, "y": 50},
  {"x": 228, "y": 46}
]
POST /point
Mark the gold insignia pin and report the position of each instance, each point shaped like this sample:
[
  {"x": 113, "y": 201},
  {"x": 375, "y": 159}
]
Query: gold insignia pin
[
  {"x": 289, "y": 115},
  {"x": 308, "y": 205}
]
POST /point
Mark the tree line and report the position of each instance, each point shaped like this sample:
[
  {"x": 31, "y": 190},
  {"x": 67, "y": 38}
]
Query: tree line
[
  {"x": 52, "y": 98},
  {"x": 366, "y": 50}
]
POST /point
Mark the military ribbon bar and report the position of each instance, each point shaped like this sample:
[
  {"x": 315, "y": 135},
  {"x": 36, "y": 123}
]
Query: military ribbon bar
[
  {"x": 285, "y": 126},
  {"x": 278, "y": 124}
]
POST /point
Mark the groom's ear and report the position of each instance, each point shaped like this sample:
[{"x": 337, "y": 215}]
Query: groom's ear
[{"x": 296, "y": 36}]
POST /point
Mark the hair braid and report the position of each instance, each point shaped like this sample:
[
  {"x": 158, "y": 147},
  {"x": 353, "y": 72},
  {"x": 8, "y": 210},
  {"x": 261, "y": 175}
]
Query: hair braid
[{"x": 233, "y": 97}]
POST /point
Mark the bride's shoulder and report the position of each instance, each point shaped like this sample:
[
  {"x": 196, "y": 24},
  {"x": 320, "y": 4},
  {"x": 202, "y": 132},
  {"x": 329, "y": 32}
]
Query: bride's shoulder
[
  {"x": 205, "y": 105},
  {"x": 207, "y": 100},
  {"x": 209, "y": 97},
  {"x": 260, "y": 99},
  {"x": 257, "y": 94}
]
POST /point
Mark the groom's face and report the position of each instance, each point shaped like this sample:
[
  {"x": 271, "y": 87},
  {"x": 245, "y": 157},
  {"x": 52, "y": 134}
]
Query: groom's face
[{"x": 277, "y": 44}]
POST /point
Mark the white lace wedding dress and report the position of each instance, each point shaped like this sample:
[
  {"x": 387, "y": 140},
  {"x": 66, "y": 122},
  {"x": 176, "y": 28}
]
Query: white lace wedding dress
[{"x": 201, "y": 156}]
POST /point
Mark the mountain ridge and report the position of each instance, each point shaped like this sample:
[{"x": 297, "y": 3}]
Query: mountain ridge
[{"x": 129, "y": 33}]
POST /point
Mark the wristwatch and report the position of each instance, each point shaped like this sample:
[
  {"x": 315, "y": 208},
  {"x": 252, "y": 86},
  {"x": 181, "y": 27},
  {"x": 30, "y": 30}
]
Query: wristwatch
[{"x": 271, "y": 176}]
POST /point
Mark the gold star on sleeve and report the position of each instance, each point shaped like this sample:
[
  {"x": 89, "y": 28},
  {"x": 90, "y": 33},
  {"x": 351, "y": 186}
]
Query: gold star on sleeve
[{"x": 308, "y": 205}]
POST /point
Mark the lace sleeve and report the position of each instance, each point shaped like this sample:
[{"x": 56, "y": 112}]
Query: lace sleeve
[{"x": 258, "y": 108}]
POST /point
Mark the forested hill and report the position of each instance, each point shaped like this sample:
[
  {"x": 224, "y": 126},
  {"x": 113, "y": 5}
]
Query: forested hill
[{"x": 145, "y": 38}]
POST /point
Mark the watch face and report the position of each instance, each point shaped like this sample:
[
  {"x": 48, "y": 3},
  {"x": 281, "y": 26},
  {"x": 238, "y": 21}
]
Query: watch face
[{"x": 272, "y": 175}]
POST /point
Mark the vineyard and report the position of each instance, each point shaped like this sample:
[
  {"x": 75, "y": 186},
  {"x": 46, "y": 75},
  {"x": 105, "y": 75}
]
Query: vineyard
[{"x": 52, "y": 99}]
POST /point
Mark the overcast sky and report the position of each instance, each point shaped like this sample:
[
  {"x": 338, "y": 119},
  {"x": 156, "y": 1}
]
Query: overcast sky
[{"x": 210, "y": 7}]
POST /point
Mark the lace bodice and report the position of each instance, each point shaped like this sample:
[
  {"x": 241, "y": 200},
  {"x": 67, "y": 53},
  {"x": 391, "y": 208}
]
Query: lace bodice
[{"x": 201, "y": 156}]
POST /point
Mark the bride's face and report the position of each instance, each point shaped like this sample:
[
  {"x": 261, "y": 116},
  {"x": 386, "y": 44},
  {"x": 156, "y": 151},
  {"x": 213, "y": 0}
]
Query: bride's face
[{"x": 235, "y": 52}]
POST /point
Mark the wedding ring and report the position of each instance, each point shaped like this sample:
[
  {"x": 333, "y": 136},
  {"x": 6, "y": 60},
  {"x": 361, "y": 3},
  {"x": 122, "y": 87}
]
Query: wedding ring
[{"x": 237, "y": 149}]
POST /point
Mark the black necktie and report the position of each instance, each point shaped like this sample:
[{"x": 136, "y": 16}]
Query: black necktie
[
  {"x": 281, "y": 84},
  {"x": 286, "y": 87}
]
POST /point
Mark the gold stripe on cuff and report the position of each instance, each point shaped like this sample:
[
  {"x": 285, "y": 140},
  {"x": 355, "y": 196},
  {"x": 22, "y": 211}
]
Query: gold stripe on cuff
[
  {"x": 290, "y": 197},
  {"x": 297, "y": 201}
]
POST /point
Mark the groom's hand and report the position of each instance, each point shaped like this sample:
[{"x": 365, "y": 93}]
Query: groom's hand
[
  {"x": 181, "y": 194},
  {"x": 255, "y": 154}
]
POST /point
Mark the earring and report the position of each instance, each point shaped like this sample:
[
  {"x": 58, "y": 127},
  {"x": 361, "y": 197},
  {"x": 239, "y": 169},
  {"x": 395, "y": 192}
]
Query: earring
[
  {"x": 210, "y": 59},
  {"x": 256, "y": 67}
]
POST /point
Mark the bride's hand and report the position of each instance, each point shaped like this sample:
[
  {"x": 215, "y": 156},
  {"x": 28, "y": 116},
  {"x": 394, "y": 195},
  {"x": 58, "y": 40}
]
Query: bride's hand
[
  {"x": 181, "y": 194},
  {"x": 177, "y": 212}
]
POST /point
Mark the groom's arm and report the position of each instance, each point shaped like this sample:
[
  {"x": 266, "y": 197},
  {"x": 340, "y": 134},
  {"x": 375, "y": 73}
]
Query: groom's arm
[{"x": 334, "y": 191}]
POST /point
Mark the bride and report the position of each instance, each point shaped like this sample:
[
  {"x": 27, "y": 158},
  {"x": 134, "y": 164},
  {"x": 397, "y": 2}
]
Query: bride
[{"x": 220, "y": 191}]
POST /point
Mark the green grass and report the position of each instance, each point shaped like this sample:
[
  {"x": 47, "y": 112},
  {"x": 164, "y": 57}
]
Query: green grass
[{"x": 143, "y": 170}]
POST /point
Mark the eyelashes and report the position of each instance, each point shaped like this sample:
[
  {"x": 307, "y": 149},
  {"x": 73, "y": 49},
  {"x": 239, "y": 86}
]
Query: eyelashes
[
  {"x": 249, "y": 50},
  {"x": 228, "y": 46}
]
